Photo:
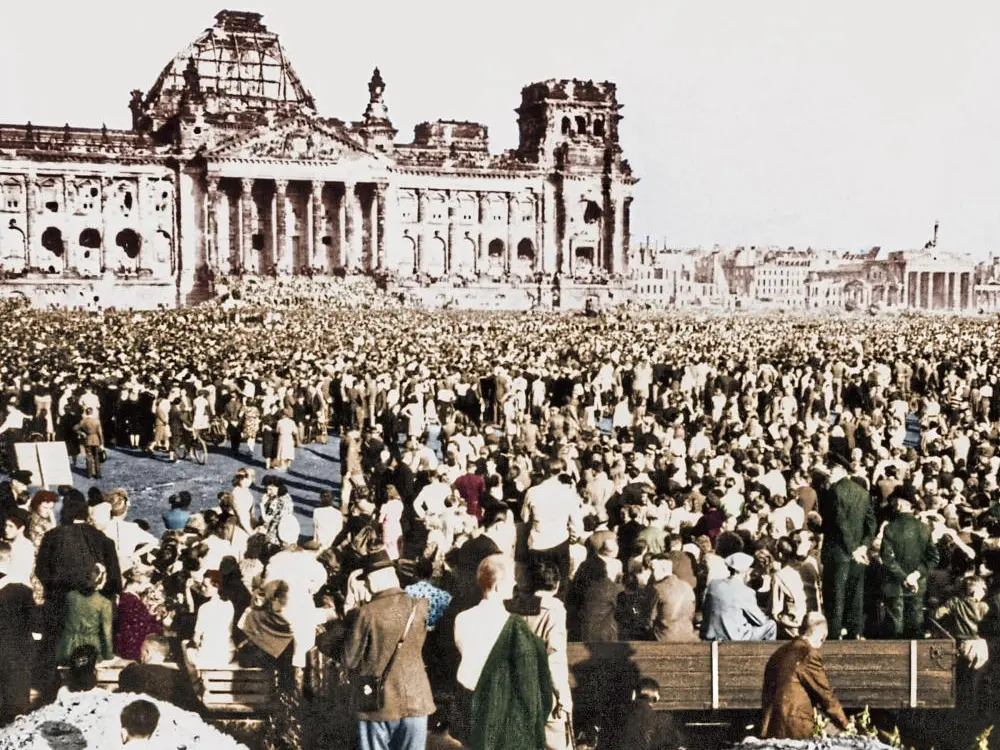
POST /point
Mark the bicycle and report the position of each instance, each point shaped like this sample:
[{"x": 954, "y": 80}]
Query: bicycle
[{"x": 192, "y": 444}]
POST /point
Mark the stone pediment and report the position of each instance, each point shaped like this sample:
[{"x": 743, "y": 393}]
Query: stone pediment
[{"x": 297, "y": 140}]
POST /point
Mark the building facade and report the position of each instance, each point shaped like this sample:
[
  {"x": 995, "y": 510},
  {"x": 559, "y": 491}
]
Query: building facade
[
  {"x": 229, "y": 168},
  {"x": 930, "y": 279}
]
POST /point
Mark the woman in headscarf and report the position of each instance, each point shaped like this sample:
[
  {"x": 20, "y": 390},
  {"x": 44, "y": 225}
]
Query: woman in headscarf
[{"x": 266, "y": 641}]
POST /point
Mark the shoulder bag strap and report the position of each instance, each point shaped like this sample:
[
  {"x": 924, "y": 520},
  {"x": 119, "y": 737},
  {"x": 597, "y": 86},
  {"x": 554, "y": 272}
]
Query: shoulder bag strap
[{"x": 399, "y": 645}]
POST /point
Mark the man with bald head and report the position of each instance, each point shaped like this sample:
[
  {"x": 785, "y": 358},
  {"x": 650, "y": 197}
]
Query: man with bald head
[{"x": 795, "y": 681}]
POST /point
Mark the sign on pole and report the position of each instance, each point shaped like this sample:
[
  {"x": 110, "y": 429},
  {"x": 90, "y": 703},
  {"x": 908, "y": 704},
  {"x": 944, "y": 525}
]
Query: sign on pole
[{"x": 47, "y": 462}]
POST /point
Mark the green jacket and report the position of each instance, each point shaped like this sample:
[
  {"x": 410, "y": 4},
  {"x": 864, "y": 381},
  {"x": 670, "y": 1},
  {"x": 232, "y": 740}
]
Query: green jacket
[
  {"x": 906, "y": 547},
  {"x": 88, "y": 621},
  {"x": 848, "y": 518},
  {"x": 513, "y": 697}
]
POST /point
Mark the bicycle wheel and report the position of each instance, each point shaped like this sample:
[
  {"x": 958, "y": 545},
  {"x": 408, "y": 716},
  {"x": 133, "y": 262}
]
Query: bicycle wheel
[{"x": 199, "y": 451}]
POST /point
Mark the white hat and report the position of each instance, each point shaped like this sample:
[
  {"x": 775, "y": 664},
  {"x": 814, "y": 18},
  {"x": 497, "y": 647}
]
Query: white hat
[{"x": 739, "y": 562}]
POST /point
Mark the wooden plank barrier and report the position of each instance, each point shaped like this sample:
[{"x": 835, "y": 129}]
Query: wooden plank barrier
[
  {"x": 107, "y": 673},
  {"x": 730, "y": 675},
  {"x": 233, "y": 690}
]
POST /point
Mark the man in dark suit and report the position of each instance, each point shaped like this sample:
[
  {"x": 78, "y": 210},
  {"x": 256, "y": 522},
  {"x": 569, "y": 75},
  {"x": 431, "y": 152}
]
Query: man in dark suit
[
  {"x": 66, "y": 555},
  {"x": 19, "y": 482},
  {"x": 401, "y": 722},
  {"x": 908, "y": 555},
  {"x": 848, "y": 530},
  {"x": 795, "y": 681}
]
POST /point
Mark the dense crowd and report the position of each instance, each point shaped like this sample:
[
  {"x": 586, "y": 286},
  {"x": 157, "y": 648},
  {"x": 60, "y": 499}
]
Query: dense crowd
[{"x": 525, "y": 479}]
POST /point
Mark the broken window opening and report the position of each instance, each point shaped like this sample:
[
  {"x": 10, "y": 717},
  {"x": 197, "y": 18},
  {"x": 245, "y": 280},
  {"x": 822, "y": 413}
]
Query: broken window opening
[
  {"x": 130, "y": 242},
  {"x": 90, "y": 238},
  {"x": 52, "y": 240}
]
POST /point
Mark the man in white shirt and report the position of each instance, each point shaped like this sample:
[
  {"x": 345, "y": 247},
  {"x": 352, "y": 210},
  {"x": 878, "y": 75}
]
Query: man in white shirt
[
  {"x": 431, "y": 499},
  {"x": 553, "y": 510},
  {"x": 130, "y": 539}
]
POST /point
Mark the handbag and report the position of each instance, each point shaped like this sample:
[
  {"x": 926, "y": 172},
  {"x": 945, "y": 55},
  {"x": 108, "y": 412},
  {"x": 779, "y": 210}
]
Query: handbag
[{"x": 369, "y": 690}]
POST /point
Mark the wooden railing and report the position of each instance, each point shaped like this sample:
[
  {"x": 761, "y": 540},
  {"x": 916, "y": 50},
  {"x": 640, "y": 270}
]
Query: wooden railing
[{"x": 730, "y": 675}]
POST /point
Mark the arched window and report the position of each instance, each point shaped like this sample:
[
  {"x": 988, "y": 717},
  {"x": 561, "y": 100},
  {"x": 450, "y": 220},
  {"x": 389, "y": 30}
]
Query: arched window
[
  {"x": 130, "y": 242},
  {"x": 567, "y": 126},
  {"x": 52, "y": 240},
  {"x": 525, "y": 250},
  {"x": 581, "y": 124},
  {"x": 90, "y": 238},
  {"x": 496, "y": 248},
  {"x": 599, "y": 127}
]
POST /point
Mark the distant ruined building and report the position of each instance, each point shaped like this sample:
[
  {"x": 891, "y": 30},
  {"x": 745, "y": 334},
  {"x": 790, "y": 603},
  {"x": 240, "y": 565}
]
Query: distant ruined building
[
  {"x": 229, "y": 168},
  {"x": 929, "y": 279}
]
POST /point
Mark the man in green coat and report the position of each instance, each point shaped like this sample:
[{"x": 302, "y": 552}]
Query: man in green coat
[
  {"x": 848, "y": 530},
  {"x": 908, "y": 555}
]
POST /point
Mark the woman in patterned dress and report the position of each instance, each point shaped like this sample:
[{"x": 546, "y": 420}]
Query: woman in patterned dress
[
  {"x": 43, "y": 518},
  {"x": 251, "y": 423},
  {"x": 274, "y": 506},
  {"x": 135, "y": 620}
]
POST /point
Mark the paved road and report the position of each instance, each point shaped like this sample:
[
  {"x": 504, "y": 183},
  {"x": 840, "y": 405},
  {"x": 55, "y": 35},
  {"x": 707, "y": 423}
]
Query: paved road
[{"x": 151, "y": 480}]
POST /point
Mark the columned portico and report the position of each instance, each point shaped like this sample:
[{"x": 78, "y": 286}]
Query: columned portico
[{"x": 939, "y": 290}]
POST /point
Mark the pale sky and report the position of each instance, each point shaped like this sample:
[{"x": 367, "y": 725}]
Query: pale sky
[{"x": 838, "y": 125}]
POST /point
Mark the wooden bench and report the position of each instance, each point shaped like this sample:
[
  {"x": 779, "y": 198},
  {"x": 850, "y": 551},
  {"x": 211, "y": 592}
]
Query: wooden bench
[
  {"x": 730, "y": 675},
  {"x": 230, "y": 691},
  {"x": 108, "y": 673}
]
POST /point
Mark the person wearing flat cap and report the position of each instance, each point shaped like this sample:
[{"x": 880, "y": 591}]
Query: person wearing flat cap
[
  {"x": 849, "y": 527},
  {"x": 390, "y": 617},
  {"x": 731, "y": 612},
  {"x": 19, "y": 482}
]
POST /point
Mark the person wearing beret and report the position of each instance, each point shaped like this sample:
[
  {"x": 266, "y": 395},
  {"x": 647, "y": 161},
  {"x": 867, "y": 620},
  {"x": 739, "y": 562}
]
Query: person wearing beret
[{"x": 849, "y": 527}]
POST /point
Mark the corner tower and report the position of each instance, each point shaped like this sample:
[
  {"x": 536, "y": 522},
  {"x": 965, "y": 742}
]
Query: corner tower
[{"x": 570, "y": 128}]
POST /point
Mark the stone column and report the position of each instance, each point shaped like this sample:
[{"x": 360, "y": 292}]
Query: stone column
[
  {"x": 352, "y": 230},
  {"x": 105, "y": 187},
  {"x": 380, "y": 224},
  {"x": 246, "y": 222},
  {"x": 539, "y": 232},
  {"x": 212, "y": 222},
  {"x": 341, "y": 254},
  {"x": 317, "y": 221},
  {"x": 391, "y": 231},
  {"x": 371, "y": 252},
  {"x": 550, "y": 235},
  {"x": 511, "y": 237},
  {"x": 925, "y": 290},
  {"x": 29, "y": 219},
  {"x": 421, "y": 218},
  {"x": 953, "y": 291},
  {"x": 281, "y": 258},
  {"x": 482, "y": 257},
  {"x": 967, "y": 297},
  {"x": 618, "y": 235}
]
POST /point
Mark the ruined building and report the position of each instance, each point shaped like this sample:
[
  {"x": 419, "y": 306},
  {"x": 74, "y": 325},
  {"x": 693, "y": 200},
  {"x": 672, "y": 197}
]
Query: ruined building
[{"x": 229, "y": 166}]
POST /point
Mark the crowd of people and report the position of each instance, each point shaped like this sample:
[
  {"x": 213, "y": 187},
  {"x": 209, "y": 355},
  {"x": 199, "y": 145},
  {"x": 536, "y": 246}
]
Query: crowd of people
[{"x": 509, "y": 483}]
